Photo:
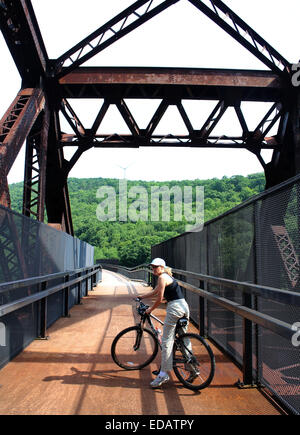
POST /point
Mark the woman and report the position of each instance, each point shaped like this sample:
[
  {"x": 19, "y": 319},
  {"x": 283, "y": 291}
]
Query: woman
[{"x": 167, "y": 288}]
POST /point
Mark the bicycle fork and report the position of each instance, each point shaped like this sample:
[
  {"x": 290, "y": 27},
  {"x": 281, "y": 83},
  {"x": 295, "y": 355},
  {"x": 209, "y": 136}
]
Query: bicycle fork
[{"x": 137, "y": 343}]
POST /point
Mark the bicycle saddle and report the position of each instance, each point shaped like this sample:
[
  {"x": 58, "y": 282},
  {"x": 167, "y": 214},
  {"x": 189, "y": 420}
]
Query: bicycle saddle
[{"x": 182, "y": 322}]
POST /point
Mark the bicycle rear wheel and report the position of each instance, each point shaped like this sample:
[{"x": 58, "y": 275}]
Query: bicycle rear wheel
[
  {"x": 193, "y": 361},
  {"x": 134, "y": 348}
]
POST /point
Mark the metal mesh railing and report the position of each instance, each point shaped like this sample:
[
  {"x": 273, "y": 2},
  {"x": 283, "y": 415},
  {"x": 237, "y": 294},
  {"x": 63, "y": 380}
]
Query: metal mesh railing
[
  {"x": 257, "y": 242},
  {"x": 35, "y": 258}
]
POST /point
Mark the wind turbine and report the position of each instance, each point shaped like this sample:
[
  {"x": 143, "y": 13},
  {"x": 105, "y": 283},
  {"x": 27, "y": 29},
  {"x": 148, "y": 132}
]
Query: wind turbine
[{"x": 125, "y": 169}]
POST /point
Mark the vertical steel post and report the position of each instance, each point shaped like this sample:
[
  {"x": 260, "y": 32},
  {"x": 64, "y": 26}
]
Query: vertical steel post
[
  {"x": 247, "y": 345},
  {"x": 66, "y": 298},
  {"x": 43, "y": 315},
  {"x": 79, "y": 290},
  {"x": 257, "y": 280},
  {"x": 201, "y": 312},
  {"x": 87, "y": 283},
  {"x": 94, "y": 281},
  {"x": 207, "y": 284}
]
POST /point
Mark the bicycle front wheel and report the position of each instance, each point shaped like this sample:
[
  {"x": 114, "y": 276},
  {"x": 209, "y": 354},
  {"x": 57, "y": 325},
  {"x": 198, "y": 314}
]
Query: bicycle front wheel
[
  {"x": 193, "y": 361},
  {"x": 134, "y": 348}
]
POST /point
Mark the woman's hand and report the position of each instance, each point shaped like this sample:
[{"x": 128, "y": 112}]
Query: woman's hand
[{"x": 148, "y": 311}]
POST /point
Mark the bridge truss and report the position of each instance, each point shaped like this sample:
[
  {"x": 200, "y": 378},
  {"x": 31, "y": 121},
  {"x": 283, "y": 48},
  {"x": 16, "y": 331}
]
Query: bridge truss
[{"x": 48, "y": 85}]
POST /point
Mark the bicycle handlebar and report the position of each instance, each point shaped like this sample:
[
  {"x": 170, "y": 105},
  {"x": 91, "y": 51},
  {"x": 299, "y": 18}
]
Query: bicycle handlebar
[{"x": 141, "y": 308}]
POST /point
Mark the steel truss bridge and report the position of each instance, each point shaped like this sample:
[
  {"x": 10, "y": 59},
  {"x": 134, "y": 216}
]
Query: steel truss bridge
[{"x": 49, "y": 84}]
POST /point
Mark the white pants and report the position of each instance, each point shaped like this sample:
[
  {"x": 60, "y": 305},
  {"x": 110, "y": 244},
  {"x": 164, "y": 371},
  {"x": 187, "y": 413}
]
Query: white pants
[{"x": 175, "y": 310}]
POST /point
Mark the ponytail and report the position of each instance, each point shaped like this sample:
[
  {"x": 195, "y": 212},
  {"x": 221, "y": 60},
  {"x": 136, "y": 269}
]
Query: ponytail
[{"x": 168, "y": 270}]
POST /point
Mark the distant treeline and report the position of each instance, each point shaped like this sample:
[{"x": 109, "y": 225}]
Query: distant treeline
[{"x": 130, "y": 242}]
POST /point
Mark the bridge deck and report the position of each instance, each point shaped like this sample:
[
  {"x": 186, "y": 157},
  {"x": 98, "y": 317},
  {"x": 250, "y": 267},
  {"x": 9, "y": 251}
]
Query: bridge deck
[{"x": 72, "y": 372}]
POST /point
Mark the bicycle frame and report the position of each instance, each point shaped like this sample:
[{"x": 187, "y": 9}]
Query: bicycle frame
[{"x": 148, "y": 317}]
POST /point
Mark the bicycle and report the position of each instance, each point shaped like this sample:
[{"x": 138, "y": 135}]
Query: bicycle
[{"x": 136, "y": 347}]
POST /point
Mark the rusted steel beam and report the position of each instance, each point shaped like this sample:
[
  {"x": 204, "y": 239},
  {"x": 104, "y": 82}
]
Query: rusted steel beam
[
  {"x": 14, "y": 129},
  {"x": 16, "y": 124},
  {"x": 35, "y": 168},
  {"x": 131, "y": 18},
  {"x": 285, "y": 162},
  {"x": 4, "y": 193},
  {"x": 169, "y": 140},
  {"x": 72, "y": 118},
  {"x": 172, "y": 76},
  {"x": 39, "y": 46},
  {"x": 254, "y": 141},
  {"x": 23, "y": 37},
  {"x": 187, "y": 83},
  {"x": 229, "y": 21},
  {"x": 56, "y": 187}
]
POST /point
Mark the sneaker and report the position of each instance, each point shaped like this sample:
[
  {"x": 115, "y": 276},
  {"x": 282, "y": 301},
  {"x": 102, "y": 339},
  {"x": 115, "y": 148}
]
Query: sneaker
[{"x": 159, "y": 381}]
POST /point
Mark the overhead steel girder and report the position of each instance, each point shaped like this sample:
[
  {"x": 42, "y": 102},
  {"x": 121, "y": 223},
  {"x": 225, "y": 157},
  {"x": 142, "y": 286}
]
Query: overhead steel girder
[
  {"x": 168, "y": 140},
  {"x": 22, "y": 35},
  {"x": 183, "y": 83},
  {"x": 134, "y": 16},
  {"x": 172, "y": 85},
  {"x": 229, "y": 21},
  {"x": 254, "y": 141},
  {"x": 122, "y": 24}
]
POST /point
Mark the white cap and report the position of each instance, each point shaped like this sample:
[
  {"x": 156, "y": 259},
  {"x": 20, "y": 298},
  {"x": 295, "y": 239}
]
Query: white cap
[{"x": 158, "y": 262}]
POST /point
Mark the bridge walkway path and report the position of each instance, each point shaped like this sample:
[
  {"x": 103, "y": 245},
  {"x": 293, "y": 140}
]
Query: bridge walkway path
[{"x": 72, "y": 372}]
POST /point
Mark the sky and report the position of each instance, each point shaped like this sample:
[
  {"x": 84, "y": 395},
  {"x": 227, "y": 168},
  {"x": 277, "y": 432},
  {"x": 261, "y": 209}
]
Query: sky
[{"x": 181, "y": 36}]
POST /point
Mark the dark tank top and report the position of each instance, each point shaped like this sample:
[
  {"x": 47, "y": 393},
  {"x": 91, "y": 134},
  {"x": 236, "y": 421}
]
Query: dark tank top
[{"x": 173, "y": 291}]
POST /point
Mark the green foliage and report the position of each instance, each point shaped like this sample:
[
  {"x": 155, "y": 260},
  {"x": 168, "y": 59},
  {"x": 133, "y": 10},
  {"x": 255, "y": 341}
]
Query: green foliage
[
  {"x": 16, "y": 196},
  {"x": 130, "y": 242}
]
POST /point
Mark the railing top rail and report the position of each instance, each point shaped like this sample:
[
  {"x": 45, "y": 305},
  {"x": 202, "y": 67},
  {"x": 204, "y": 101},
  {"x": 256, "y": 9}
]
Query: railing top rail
[
  {"x": 27, "y": 300},
  {"x": 275, "y": 294},
  {"x": 13, "y": 285},
  {"x": 278, "y": 295},
  {"x": 279, "y": 327}
]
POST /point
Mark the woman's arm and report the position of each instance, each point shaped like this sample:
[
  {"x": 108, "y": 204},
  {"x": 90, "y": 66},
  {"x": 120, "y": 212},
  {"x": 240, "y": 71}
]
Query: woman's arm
[
  {"x": 159, "y": 291},
  {"x": 149, "y": 295}
]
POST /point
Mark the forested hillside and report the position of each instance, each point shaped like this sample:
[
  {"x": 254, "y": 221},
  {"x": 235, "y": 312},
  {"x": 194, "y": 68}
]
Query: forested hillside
[{"x": 130, "y": 241}]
